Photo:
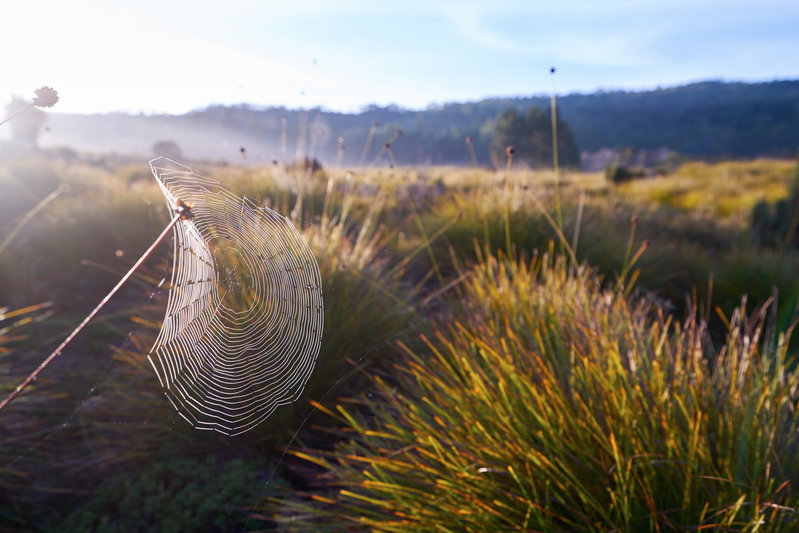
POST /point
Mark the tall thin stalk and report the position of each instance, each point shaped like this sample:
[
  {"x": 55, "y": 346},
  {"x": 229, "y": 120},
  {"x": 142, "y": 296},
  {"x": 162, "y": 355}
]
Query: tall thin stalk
[
  {"x": 45, "y": 97},
  {"x": 508, "y": 151},
  {"x": 340, "y": 152},
  {"x": 371, "y": 134},
  {"x": 30, "y": 214},
  {"x": 183, "y": 212},
  {"x": 554, "y": 114},
  {"x": 302, "y": 135},
  {"x": 283, "y": 131},
  {"x": 472, "y": 154}
]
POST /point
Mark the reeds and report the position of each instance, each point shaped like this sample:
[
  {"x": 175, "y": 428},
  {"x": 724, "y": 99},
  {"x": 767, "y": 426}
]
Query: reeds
[{"x": 553, "y": 404}]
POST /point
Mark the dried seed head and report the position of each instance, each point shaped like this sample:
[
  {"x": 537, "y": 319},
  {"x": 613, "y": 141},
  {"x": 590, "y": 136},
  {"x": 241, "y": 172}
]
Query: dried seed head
[
  {"x": 184, "y": 210},
  {"x": 468, "y": 139},
  {"x": 387, "y": 146},
  {"x": 510, "y": 150},
  {"x": 45, "y": 97}
]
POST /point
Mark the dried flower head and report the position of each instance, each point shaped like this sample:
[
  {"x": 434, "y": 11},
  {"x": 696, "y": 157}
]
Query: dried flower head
[
  {"x": 468, "y": 139},
  {"x": 184, "y": 210},
  {"x": 387, "y": 146},
  {"x": 45, "y": 97},
  {"x": 510, "y": 150}
]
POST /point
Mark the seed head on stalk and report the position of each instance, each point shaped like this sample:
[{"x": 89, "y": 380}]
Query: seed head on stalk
[{"x": 45, "y": 97}]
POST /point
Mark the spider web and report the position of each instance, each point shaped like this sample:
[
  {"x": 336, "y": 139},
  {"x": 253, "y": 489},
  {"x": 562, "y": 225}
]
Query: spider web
[{"x": 244, "y": 317}]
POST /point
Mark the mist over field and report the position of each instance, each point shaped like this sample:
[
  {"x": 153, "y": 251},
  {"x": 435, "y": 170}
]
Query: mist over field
[{"x": 710, "y": 120}]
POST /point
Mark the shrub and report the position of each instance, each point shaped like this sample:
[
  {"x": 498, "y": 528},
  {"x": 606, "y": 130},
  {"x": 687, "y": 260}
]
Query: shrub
[
  {"x": 621, "y": 173},
  {"x": 554, "y": 404}
]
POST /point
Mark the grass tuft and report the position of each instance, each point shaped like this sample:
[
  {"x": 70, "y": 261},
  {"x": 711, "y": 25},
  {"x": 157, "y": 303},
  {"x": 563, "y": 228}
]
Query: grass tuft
[{"x": 554, "y": 404}]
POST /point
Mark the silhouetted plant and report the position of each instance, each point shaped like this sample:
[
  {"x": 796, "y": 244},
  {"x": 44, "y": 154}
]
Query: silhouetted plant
[
  {"x": 621, "y": 173},
  {"x": 26, "y": 130}
]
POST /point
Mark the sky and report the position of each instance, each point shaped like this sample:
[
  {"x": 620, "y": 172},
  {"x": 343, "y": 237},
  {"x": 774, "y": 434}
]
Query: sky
[{"x": 161, "y": 56}]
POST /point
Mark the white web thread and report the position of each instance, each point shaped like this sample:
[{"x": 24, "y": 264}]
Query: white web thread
[{"x": 244, "y": 317}]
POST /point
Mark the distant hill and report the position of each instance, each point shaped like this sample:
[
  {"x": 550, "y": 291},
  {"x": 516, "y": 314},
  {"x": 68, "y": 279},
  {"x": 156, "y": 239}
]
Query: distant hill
[{"x": 709, "y": 120}]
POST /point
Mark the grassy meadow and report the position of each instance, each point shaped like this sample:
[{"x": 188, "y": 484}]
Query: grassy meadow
[{"x": 503, "y": 350}]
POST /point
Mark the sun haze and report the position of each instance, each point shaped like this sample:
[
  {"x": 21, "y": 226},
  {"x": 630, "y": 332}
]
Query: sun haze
[{"x": 148, "y": 56}]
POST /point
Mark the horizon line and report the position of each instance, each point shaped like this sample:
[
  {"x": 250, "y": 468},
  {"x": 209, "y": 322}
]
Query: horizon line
[{"x": 366, "y": 108}]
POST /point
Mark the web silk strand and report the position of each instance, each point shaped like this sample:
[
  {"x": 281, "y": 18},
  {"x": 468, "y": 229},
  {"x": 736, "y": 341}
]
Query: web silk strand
[{"x": 244, "y": 318}]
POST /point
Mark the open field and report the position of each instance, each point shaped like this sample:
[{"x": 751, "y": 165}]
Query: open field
[{"x": 502, "y": 351}]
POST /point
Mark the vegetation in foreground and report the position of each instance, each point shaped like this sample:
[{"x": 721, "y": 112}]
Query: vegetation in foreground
[
  {"x": 551, "y": 403},
  {"x": 570, "y": 387}
]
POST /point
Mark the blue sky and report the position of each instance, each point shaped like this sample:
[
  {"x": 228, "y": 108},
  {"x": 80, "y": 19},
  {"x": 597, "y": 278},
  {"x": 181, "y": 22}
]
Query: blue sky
[{"x": 162, "y": 56}]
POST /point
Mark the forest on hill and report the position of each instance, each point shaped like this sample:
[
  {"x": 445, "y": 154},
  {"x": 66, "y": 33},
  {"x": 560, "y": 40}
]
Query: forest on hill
[{"x": 708, "y": 121}]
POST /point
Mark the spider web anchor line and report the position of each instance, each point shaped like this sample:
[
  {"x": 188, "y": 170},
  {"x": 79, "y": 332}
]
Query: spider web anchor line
[{"x": 245, "y": 313}]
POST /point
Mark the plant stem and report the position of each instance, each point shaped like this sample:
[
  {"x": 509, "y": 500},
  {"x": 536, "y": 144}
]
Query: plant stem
[
  {"x": 57, "y": 351},
  {"x": 507, "y": 207},
  {"x": 578, "y": 222},
  {"x": 283, "y": 149},
  {"x": 29, "y": 216},
  {"x": 12, "y": 115},
  {"x": 426, "y": 241},
  {"x": 366, "y": 144},
  {"x": 472, "y": 153},
  {"x": 554, "y": 113}
]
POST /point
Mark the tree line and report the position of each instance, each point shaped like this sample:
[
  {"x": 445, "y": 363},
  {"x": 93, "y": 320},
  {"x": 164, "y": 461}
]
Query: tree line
[
  {"x": 708, "y": 120},
  {"x": 711, "y": 120}
]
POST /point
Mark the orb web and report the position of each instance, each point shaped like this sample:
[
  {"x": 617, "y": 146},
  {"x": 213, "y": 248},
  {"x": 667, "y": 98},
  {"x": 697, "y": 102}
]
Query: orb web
[{"x": 244, "y": 317}]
